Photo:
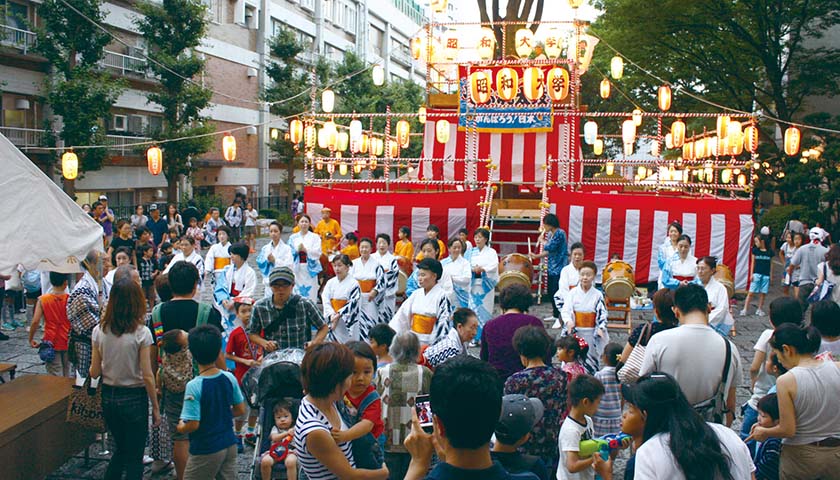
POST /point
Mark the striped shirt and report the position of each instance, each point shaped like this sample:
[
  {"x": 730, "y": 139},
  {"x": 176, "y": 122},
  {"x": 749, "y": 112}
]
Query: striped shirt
[
  {"x": 310, "y": 419},
  {"x": 608, "y": 418}
]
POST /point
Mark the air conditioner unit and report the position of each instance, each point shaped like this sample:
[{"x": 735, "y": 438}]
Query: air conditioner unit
[{"x": 119, "y": 123}]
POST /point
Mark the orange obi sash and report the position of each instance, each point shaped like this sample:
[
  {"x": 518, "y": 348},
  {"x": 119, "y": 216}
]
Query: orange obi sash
[
  {"x": 585, "y": 319},
  {"x": 366, "y": 285},
  {"x": 338, "y": 303},
  {"x": 423, "y": 324},
  {"x": 221, "y": 262}
]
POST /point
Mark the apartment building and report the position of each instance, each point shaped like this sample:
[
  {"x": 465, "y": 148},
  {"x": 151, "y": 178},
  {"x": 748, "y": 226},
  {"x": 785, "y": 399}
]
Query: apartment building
[{"x": 379, "y": 30}]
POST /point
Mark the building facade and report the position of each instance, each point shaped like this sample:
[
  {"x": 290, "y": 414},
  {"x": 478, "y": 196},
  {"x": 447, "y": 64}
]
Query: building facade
[{"x": 378, "y": 30}]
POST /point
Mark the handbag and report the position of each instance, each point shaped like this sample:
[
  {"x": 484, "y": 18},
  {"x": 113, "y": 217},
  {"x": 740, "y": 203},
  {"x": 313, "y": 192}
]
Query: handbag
[
  {"x": 629, "y": 373},
  {"x": 84, "y": 408},
  {"x": 714, "y": 409},
  {"x": 823, "y": 291}
]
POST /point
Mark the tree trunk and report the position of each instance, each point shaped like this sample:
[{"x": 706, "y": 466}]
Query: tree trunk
[
  {"x": 70, "y": 188},
  {"x": 290, "y": 180},
  {"x": 172, "y": 190}
]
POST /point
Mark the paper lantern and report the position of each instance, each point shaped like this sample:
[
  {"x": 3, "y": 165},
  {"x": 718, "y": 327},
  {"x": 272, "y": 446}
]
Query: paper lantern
[
  {"x": 751, "y": 138},
  {"x": 557, "y": 83},
  {"x": 364, "y": 143},
  {"x": 416, "y": 48},
  {"x": 524, "y": 42},
  {"x": 605, "y": 88},
  {"x": 553, "y": 43},
  {"x": 590, "y": 132},
  {"x": 69, "y": 165},
  {"x": 700, "y": 148},
  {"x": 669, "y": 142},
  {"x": 721, "y": 146},
  {"x": 792, "y": 139},
  {"x": 688, "y": 151},
  {"x": 655, "y": 148},
  {"x": 628, "y": 149},
  {"x": 628, "y": 131},
  {"x": 481, "y": 84},
  {"x": 451, "y": 44},
  {"x": 327, "y": 100},
  {"x": 575, "y": 3},
  {"x": 726, "y": 175},
  {"x": 722, "y": 125},
  {"x": 617, "y": 67},
  {"x": 403, "y": 133},
  {"x": 229, "y": 147},
  {"x": 532, "y": 83},
  {"x": 323, "y": 140},
  {"x": 342, "y": 141},
  {"x": 439, "y": 6},
  {"x": 358, "y": 166},
  {"x": 737, "y": 147},
  {"x": 742, "y": 180},
  {"x": 355, "y": 130},
  {"x": 421, "y": 115},
  {"x": 342, "y": 168},
  {"x": 295, "y": 131},
  {"x": 310, "y": 136},
  {"x": 393, "y": 149},
  {"x": 677, "y": 133},
  {"x": 378, "y": 74},
  {"x": 507, "y": 84},
  {"x": 154, "y": 160},
  {"x": 637, "y": 117},
  {"x": 610, "y": 168},
  {"x": 642, "y": 171},
  {"x": 598, "y": 147},
  {"x": 486, "y": 43},
  {"x": 664, "y": 98},
  {"x": 442, "y": 131}
]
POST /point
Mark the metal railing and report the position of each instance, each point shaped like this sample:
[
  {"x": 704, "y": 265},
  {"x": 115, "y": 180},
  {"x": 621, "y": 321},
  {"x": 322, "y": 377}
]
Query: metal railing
[
  {"x": 24, "y": 137},
  {"x": 118, "y": 144},
  {"x": 18, "y": 38},
  {"x": 125, "y": 64}
]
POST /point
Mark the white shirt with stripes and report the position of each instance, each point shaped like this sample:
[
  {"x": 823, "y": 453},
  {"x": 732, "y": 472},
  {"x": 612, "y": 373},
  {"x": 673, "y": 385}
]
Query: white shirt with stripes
[{"x": 310, "y": 419}]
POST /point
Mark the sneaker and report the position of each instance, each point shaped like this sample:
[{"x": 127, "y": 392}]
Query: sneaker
[
  {"x": 239, "y": 447},
  {"x": 147, "y": 459},
  {"x": 251, "y": 439},
  {"x": 159, "y": 466},
  {"x": 744, "y": 312},
  {"x": 17, "y": 324},
  {"x": 4, "y": 337},
  {"x": 760, "y": 312},
  {"x": 7, "y": 326}
]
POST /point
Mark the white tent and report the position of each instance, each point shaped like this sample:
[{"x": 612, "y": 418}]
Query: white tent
[{"x": 42, "y": 228}]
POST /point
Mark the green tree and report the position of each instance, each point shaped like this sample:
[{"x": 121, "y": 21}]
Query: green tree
[
  {"x": 518, "y": 11},
  {"x": 173, "y": 30},
  {"x": 750, "y": 55},
  {"x": 76, "y": 90}
]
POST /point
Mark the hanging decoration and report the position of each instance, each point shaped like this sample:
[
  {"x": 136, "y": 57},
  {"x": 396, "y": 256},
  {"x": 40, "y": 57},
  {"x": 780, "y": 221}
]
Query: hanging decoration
[
  {"x": 524, "y": 42},
  {"x": 605, "y": 88},
  {"x": 327, "y": 100},
  {"x": 664, "y": 98},
  {"x": 421, "y": 115},
  {"x": 403, "y": 133},
  {"x": 229, "y": 147},
  {"x": 553, "y": 42},
  {"x": 532, "y": 83},
  {"x": 590, "y": 132},
  {"x": 70, "y": 165},
  {"x": 295, "y": 131},
  {"x": 598, "y": 147},
  {"x": 617, "y": 67},
  {"x": 486, "y": 43},
  {"x": 637, "y": 117},
  {"x": 442, "y": 131},
  {"x": 507, "y": 84},
  {"x": 792, "y": 138},
  {"x": 557, "y": 83},
  {"x": 751, "y": 138},
  {"x": 154, "y": 160},
  {"x": 677, "y": 133},
  {"x": 378, "y": 74},
  {"x": 481, "y": 84}
]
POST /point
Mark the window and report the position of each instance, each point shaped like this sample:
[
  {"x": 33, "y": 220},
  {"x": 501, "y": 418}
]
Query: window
[
  {"x": 350, "y": 18},
  {"x": 155, "y": 124},
  {"x": 119, "y": 123},
  {"x": 214, "y": 10},
  {"x": 337, "y": 13},
  {"x": 17, "y": 15},
  {"x": 251, "y": 17},
  {"x": 308, "y": 5},
  {"x": 377, "y": 40},
  {"x": 334, "y": 54}
]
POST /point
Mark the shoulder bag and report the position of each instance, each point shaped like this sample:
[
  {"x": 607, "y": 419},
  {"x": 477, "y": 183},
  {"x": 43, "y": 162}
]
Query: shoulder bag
[
  {"x": 629, "y": 373},
  {"x": 714, "y": 408}
]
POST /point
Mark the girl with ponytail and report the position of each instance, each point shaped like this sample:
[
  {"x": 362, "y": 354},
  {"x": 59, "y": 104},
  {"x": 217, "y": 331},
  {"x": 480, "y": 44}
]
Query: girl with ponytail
[
  {"x": 678, "y": 444},
  {"x": 808, "y": 404}
]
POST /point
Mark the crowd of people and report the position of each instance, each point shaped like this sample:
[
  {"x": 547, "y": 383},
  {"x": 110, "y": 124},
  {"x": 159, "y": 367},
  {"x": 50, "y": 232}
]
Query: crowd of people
[{"x": 531, "y": 406}]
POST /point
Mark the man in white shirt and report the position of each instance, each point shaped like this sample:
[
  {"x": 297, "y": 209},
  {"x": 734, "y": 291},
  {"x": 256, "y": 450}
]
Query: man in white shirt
[{"x": 694, "y": 353}]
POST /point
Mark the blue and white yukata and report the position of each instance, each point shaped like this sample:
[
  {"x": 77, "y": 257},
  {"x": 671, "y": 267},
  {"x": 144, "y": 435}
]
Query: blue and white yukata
[
  {"x": 306, "y": 266},
  {"x": 483, "y": 287}
]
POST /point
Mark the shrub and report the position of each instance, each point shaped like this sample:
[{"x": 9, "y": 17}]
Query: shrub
[
  {"x": 778, "y": 216},
  {"x": 270, "y": 213}
]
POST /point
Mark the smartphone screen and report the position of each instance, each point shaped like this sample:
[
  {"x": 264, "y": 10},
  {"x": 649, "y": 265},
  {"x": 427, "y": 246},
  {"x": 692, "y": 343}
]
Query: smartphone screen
[{"x": 424, "y": 412}]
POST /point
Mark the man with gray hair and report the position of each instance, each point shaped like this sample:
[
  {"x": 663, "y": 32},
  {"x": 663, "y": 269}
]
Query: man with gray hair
[{"x": 398, "y": 384}]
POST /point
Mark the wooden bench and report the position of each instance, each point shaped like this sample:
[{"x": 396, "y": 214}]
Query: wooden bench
[
  {"x": 35, "y": 439},
  {"x": 7, "y": 367}
]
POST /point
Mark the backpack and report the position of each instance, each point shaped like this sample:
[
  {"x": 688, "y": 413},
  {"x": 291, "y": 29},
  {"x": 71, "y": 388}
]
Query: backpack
[
  {"x": 367, "y": 450},
  {"x": 713, "y": 409},
  {"x": 177, "y": 369}
]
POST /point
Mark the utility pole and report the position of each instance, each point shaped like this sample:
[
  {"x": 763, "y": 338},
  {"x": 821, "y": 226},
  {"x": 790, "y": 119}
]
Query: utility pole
[{"x": 263, "y": 128}]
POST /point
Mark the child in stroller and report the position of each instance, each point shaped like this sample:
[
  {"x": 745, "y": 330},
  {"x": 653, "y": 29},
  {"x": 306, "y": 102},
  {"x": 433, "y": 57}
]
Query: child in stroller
[{"x": 285, "y": 415}]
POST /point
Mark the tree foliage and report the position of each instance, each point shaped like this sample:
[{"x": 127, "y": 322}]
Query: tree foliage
[
  {"x": 76, "y": 89},
  {"x": 173, "y": 30},
  {"x": 517, "y": 11}
]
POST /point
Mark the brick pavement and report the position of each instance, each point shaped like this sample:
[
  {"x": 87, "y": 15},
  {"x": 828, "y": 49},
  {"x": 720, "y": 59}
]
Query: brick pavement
[{"x": 18, "y": 351}]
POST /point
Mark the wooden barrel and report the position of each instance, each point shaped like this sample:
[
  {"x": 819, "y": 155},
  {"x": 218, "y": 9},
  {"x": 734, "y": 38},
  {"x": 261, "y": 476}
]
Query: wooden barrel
[
  {"x": 618, "y": 280},
  {"x": 515, "y": 268},
  {"x": 724, "y": 275}
]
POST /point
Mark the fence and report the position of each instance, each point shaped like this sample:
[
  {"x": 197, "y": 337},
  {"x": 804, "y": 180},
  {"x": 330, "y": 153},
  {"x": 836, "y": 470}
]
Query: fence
[{"x": 274, "y": 202}]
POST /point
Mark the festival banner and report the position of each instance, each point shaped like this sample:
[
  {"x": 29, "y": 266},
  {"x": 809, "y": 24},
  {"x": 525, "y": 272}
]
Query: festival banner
[{"x": 511, "y": 99}]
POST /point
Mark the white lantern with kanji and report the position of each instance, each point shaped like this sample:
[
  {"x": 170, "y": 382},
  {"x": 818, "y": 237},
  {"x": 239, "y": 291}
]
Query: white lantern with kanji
[
  {"x": 557, "y": 83},
  {"x": 442, "y": 131},
  {"x": 481, "y": 84},
  {"x": 553, "y": 42},
  {"x": 403, "y": 133},
  {"x": 524, "y": 42},
  {"x": 507, "y": 83},
  {"x": 532, "y": 83},
  {"x": 792, "y": 139},
  {"x": 486, "y": 43},
  {"x": 451, "y": 44}
]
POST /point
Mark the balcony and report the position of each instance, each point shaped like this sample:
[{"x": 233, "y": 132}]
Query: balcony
[
  {"x": 24, "y": 137},
  {"x": 402, "y": 57},
  {"x": 23, "y": 40},
  {"x": 125, "y": 64},
  {"x": 121, "y": 145}
]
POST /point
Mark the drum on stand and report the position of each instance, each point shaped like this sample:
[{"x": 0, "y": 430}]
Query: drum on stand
[
  {"x": 724, "y": 275},
  {"x": 515, "y": 268},
  {"x": 406, "y": 267},
  {"x": 618, "y": 280}
]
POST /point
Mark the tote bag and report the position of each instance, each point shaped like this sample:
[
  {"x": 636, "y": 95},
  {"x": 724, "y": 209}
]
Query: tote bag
[{"x": 629, "y": 373}]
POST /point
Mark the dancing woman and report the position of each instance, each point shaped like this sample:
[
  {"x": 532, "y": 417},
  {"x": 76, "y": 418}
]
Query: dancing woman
[
  {"x": 457, "y": 274},
  {"x": 341, "y": 297},
  {"x": 682, "y": 268},
  {"x": 668, "y": 248},
  {"x": 427, "y": 311},
  {"x": 371, "y": 277},
  {"x": 392, "y": 275},
  {"x": 484, "y": 263},
  {"x": 306, "y": 251}
]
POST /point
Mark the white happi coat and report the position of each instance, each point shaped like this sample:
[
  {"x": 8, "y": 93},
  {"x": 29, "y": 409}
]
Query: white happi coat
[
  {"x": 366, "y": 272},
  {"x": 456, "y": 280},
  {"x": 433, "y": 304},
  {"x": 483, "y": 288},
  {"x": 392, "y": 275},
  {"x": 588, "y": 302},
  {"x": 343, "y": 291},
  {"x": 306, "y": 274},
  {"x": 282, "y": 258}
]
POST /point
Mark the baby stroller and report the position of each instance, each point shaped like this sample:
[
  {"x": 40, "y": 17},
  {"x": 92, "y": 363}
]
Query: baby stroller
[{"x": 277, "y": 377}]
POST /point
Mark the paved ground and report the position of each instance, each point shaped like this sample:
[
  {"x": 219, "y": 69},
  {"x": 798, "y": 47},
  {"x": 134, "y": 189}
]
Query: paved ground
[{"x": 17, "y": 351}]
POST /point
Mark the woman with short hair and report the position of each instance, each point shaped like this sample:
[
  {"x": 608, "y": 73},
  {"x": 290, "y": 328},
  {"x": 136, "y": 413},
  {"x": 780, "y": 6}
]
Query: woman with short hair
[
  {"x": 427, "y": 311},
  {"x": 306, "y": 252},
  {"x": 398, "y": 384},
  {"x": 663, "y": 309},
  {"x": 496, "y": 338},
  {"x": 326, "y": 372},
  {"x": 484, "y": 262}
]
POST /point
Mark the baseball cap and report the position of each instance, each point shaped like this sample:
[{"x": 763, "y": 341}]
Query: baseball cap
[
  {"x": 519, "y": 415},
  {"x": 816, "y": 233},
  {"x": 103, "y": 197},
  {"x": 244, "y": 300},
  {"x": 281, "y": 274},
  {"x": 153, "y": 207}
]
